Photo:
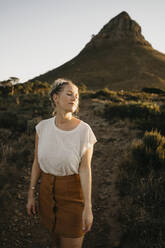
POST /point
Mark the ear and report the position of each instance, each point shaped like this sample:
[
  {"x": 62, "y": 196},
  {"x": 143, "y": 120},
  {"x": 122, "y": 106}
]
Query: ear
[{"x": 55, "y": 97}]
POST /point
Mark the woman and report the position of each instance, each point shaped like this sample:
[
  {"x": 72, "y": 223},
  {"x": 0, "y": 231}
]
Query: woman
[{"x": 63, "y": 154}]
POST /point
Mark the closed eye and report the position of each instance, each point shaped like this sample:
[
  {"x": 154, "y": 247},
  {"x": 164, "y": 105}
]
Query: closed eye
[{"x": 71, "y": 95}]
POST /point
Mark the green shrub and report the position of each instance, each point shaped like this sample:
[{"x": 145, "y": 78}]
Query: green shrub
[
  {"x": 107, "y": 94},
  {"x": 146, "y": 115},
  {"x": 141, "y": 185},
  {"x": 133, "y": 110},
  {"x": 153, "y": 90}
]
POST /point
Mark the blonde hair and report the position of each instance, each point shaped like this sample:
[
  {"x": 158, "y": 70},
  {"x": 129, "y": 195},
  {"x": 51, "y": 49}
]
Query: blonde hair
[{"x": 56, "y": 88}]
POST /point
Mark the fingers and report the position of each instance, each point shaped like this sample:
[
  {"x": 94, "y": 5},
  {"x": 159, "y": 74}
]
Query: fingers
[
  {"x": 28, "y": 210},
  {"x": 83, "y": 224},
  {"x": 31, "y": 209},
  {"x": 86, "y": 225}
]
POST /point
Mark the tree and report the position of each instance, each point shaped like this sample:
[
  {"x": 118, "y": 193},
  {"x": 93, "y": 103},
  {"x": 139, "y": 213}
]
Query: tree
[{"x": 14, "y": 81}]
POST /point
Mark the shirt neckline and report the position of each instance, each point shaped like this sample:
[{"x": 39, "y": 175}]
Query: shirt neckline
[{"x": 65, "y": 131}]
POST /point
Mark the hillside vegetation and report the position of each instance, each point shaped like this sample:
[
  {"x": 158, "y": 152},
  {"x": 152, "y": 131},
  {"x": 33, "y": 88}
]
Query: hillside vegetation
[{"x": 136, "y": 172}]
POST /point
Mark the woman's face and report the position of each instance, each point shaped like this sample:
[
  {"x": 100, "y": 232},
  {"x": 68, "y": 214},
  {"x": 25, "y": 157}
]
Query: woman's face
[{"x": 67, "y": 99}]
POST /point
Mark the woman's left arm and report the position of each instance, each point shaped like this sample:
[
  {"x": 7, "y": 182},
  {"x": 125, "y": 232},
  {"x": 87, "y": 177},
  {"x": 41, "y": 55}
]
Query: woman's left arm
[{"x": 86, "y": 183}]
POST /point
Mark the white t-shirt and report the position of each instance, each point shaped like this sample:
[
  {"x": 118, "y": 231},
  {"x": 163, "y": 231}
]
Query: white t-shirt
[{"x": 60, "y": 151}]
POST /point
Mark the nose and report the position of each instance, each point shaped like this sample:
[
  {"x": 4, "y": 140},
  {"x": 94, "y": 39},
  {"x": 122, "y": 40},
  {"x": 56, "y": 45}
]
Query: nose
[{"x": 74, "y": 98}]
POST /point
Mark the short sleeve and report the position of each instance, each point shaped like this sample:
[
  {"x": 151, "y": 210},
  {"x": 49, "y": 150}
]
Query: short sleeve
[
  {"x": 38, "y": 128},
  {"x": 89, "y": 139}
]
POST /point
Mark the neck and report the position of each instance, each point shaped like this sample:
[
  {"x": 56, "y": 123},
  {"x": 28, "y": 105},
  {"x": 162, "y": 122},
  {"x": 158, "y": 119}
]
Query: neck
[{"x": 63, "y": 117}]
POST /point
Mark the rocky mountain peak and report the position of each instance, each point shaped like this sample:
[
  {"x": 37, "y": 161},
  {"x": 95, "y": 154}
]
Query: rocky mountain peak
[
  {"x": 122, "y": 23},
  {"x": 119, "y": 29}
]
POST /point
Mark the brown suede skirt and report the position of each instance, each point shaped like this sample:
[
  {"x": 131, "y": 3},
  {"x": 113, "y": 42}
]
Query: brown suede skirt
[{"x": 61, "y": 205}]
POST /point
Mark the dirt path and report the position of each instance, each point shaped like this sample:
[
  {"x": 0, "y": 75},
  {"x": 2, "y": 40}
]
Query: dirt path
[{"x": 21, "y": 231}]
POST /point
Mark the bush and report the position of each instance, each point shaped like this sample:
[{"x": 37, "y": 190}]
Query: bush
[
  {"x": 131, "y": 110},
  {"x": 107, "y": 94},
  {"x": 141, "y": 185},
  {"x": 153, "y": 90}
]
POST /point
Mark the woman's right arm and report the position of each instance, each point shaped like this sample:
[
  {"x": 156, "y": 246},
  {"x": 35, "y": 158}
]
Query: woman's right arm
[{"x": 35, "y": 174}]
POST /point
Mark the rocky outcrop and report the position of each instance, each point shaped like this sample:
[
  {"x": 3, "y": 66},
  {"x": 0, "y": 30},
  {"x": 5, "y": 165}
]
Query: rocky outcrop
[{"x": 120, "y": 29}]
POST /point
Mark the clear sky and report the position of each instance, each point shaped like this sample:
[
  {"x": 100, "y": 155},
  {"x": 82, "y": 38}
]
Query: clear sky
[{"x": 40, "y": 35}]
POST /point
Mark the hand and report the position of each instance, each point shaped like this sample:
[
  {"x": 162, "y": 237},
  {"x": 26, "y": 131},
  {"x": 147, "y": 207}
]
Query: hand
[
  {"x": 87, "y": 219},
  {"x": 30, "y": 206}
]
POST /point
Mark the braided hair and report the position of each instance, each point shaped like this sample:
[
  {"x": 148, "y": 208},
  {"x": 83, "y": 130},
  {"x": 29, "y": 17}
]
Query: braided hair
[{"x": 57, "y": 87}]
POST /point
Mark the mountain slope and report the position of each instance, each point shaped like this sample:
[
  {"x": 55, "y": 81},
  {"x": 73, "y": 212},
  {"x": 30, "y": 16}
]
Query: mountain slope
[{"x": 117, "y": 57}]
